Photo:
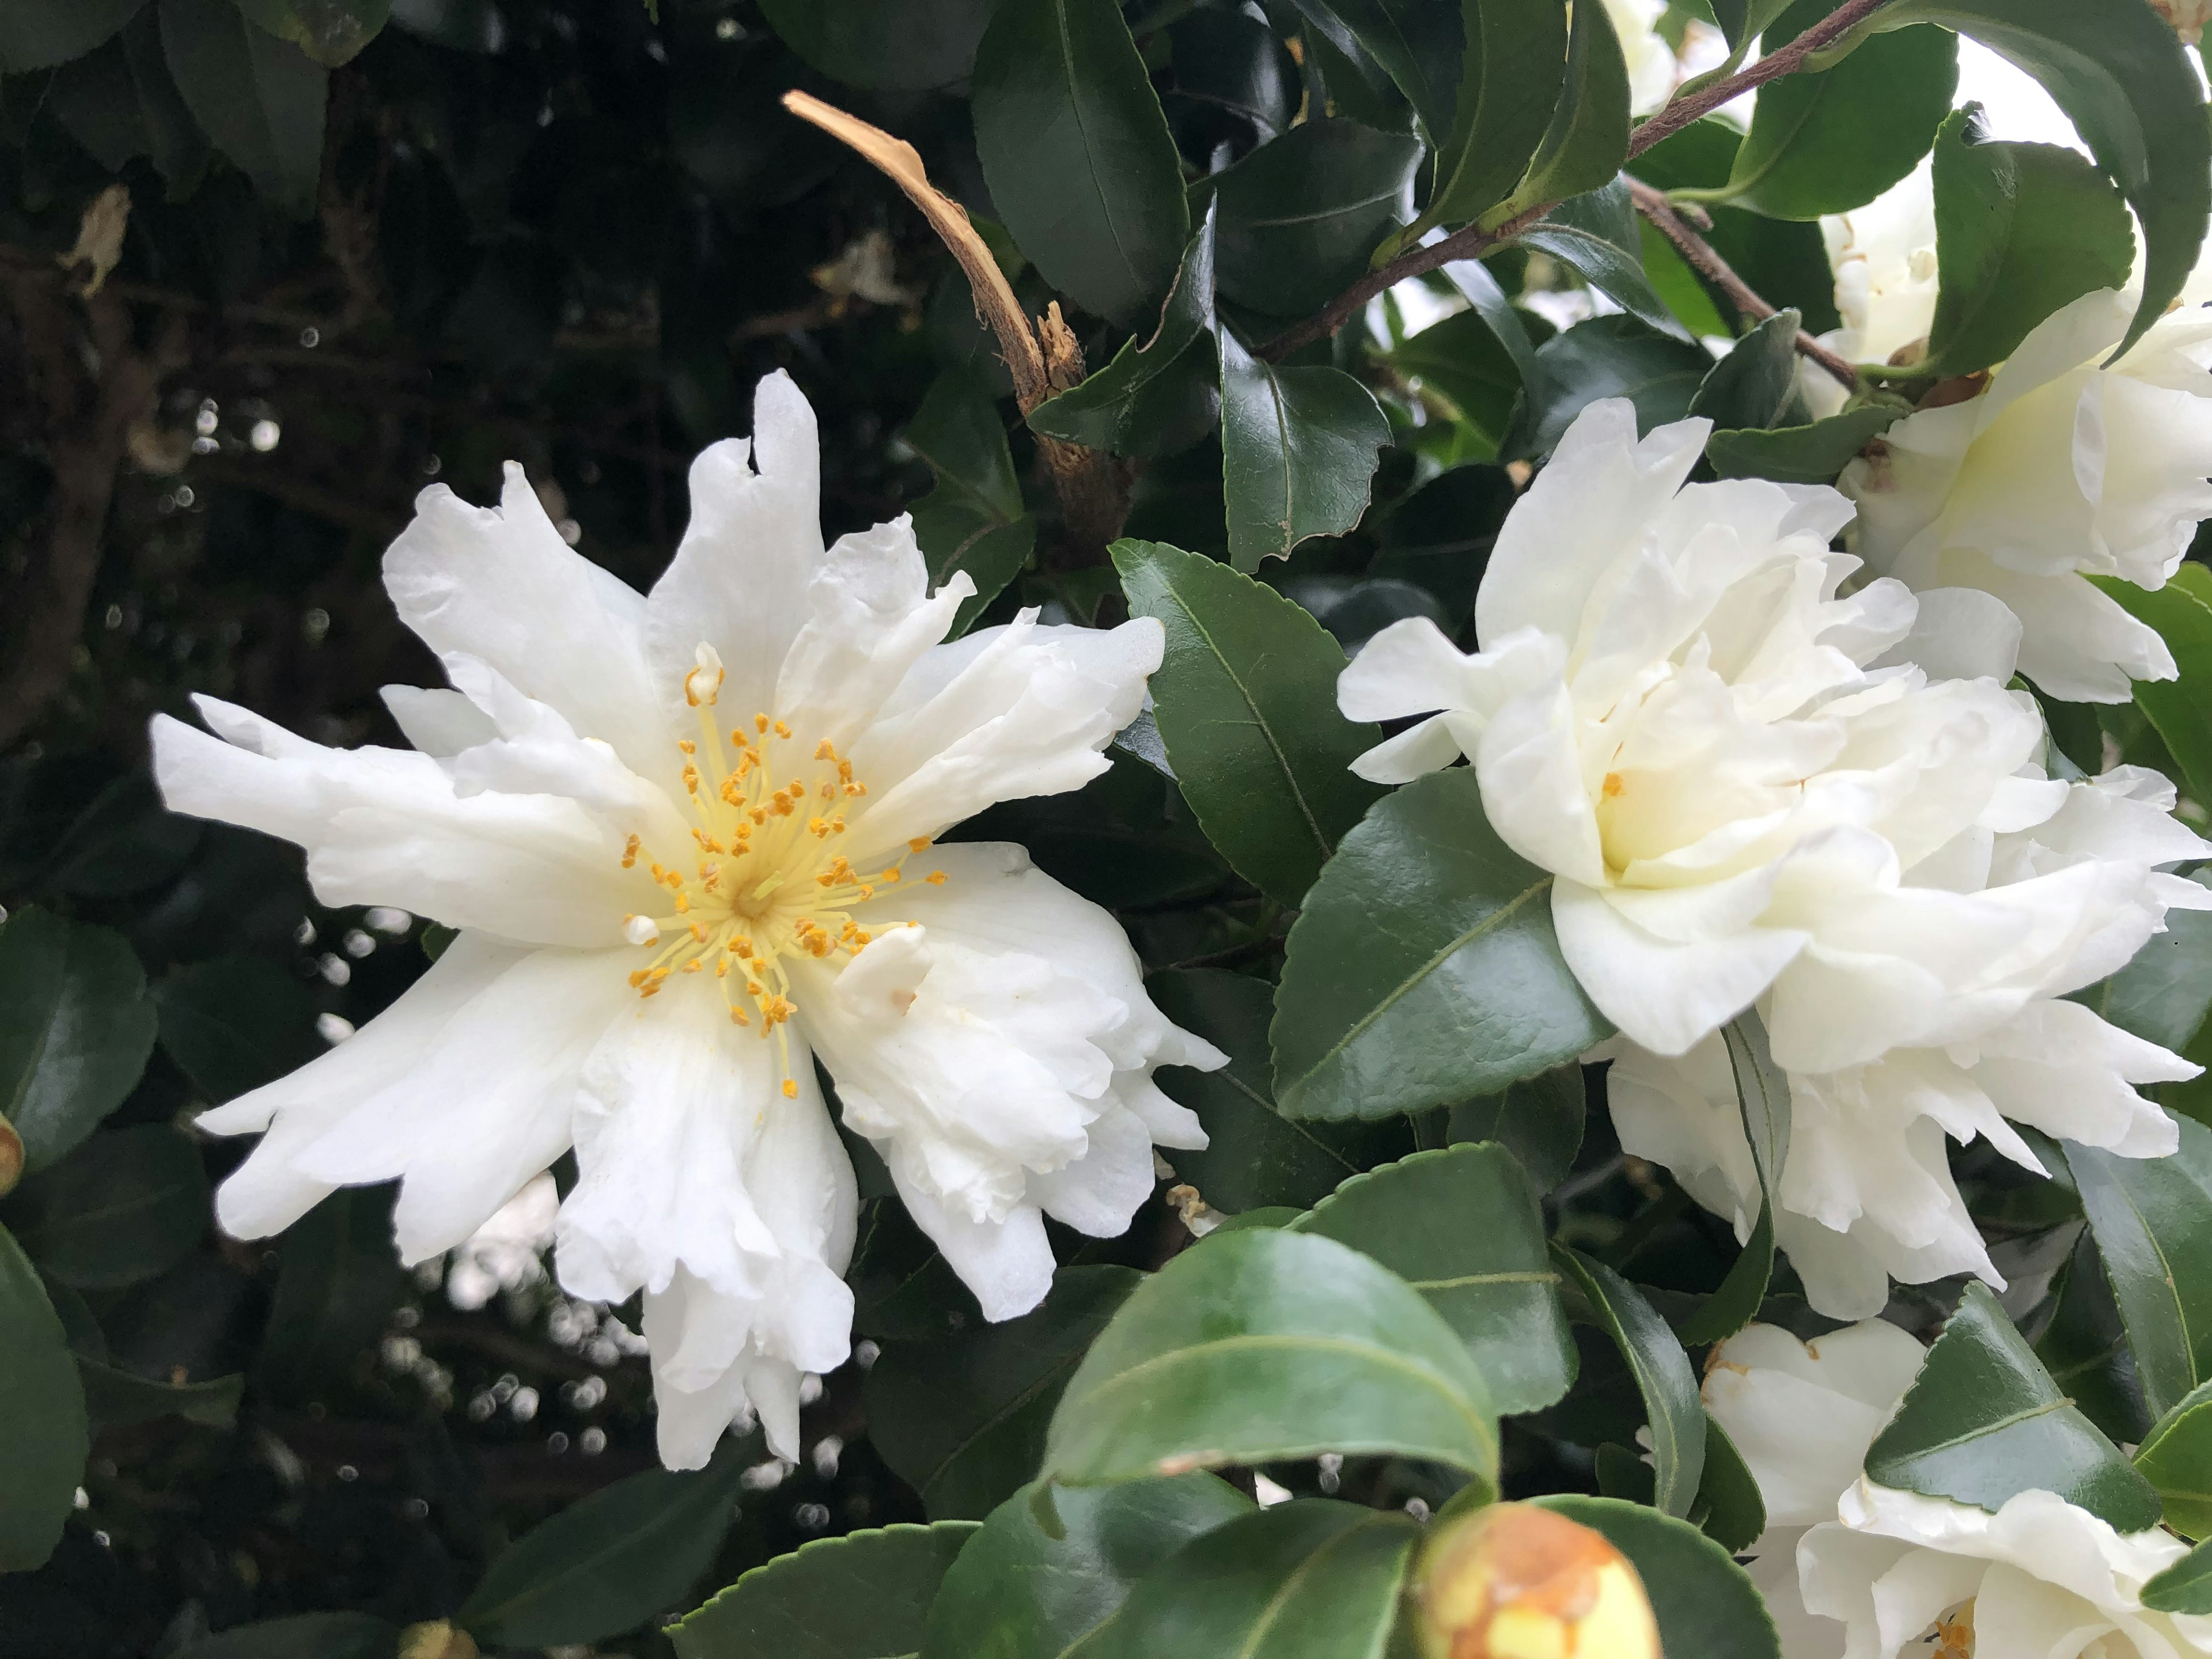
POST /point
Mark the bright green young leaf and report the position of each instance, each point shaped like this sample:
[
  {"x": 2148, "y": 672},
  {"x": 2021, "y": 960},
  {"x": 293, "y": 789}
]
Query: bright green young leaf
[
  {"x": 1539, "y": 1120},
  {"x": 1310, "y": 1579},
  {"x": 75, "y": 1029},
  {"x": 260, "y": 99},
  {"x": 1830, "y": 142},
  {"x": 864, "y": 1596},
  {"x": 1509, "y": 85},
  {"x": 1157, "y": 395},
  {"x": 1491, "y": 1283},
  {"x": 1246, "y": 700},
  {"x": 1705, "y": 1604},
  {"x": 2176, "y": 1458},
  {"x": 236, "y": 1023},
  {"x": 2020, "y": 230},
  {"x": 2153, "y": 1221},
  {"x": 973, "y": 521},
  {"x": 1800, "y": 454},
  {"x": 1605, "y": 357},
  {"x": 1595, "y": 234},
  {"x": 907, "y": 45},
  {"x": 1984, "y": 1420},
  {"x": 962, "y": 1417},
  {"x": 1423, "y": 969},
  {"x": 1077, "y": 154},
  {"x": 2180, "y": 709},
  {"x": 1660, "y": 1368},
  {"x": 1762, "y": 1092},
  {"x": 36, "y": 34},
  {"x": 39, "y": 1471},
  {"x": 1019, "y": 1592},
  {"x": 1254, "y": 1156},
  {"x": 302, "y": 1636},
  {"x": 1416, "y": 42},
  {"x": 124, "y": 1206},
  {"x": 2163, "y": 994},
  {"x": 1298, "y": 449},
  {"x": 2184, "y": 1587},
  {"x": 1265, "y": 1345},
  {"x": 113, "y": 1396},
  {"x": 1587, "y": 142},
  {"x": 1754, "y": 387},
  {"x": 1298, "y": 217},
  {"x": 2084, "y": 1347}
]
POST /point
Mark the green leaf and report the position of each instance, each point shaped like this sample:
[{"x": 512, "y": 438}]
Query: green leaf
[
  {"x": 1587, "y": 142},
  {"x": 1158, "y": 395},
  {"x": 1310, "y": 1579},
  {"x": 1423, "y": 969},
  {"x": 962, "y": 1417},
  {"x": 2176, "y": 1458},
  {"x": 1263, "y": 1344},
  {"x": 2020, "y": 230},
  {"x": 36, "y": 34},
  {"x": 612, "y": 1559},
  {"x": 2153, "y": 1221},
  {"x": 1298, "y": 449},
  {"x": 1754, "y": 387},
  {"x": 2119, "y": 72},
  {"x": 1735, "y": 1513},
  {"x": 1984, "y": 1421},
  {"x": 1510, "y": 87},
  {"x": 1662, "y": 1370},
  {"x": 331, "y": 32},
  {"x": 259, "y": 97},
  {"x": 1299, "y": 216},
  {"x": 1019, "y": 1592},
  {"x": 1705, "y": 1605},
  {"x": 1744, "y": 19},
  {"x": 1539, "y": 1120},
  {"x": 1245, "y": 697},
  {"x": 1493, "y": 1284},
  {"x": 1596, "y": 235},
  {"x": 973, "y": 521},
  {"x": 1440, "y": 535},
  {"x": 906, "y": 45},
  {"x": 2184, "y": 1587},
  {"x": 1605, "y": 357},
  {"x": 39, "y": 1471},
  {"x": 124, "y": 1206},
  {"x": 1077, "y": 153},
  {"x": 1800, "y": 454},
  {"x": 303, "y": 1635},
  {"x": 337, "y": 1278},
  {"x": 2163, "y": 994},
  {"x": 2085, "y": 1347},
  {"x": 114, "y": 1397},
  {"x": 1463, "y": 358},
  {"x": 1762, "y": 1092},
  {"x": 236, "y": 1023},
  {"x": 2180, "y": 709},
  {"x": 1829, "y": 142},
  {"x": 866, "y": 1596},
  {"x": 1254, "y": 1156},
  {"x": 75, "y": 1029},
  {"x": 1416, "y": 42}
]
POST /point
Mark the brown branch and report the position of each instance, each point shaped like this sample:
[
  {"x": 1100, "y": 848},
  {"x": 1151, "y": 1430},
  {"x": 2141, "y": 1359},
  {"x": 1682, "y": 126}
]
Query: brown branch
[
  {"x": 1472, "y": 242},
  {"x": 1705, "y": 260}
]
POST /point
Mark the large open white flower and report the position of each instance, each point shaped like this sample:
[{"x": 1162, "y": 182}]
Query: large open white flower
[
  {"x": 2059, "y": 469},
  {"x": 688, "y": 839}
]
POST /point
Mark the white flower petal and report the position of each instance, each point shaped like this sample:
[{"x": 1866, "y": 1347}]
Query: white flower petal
[{"x": 1664, "y": 994}]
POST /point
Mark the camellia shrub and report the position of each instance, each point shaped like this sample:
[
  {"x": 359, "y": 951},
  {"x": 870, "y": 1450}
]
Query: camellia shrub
[{"x": 1005, "y": 828}]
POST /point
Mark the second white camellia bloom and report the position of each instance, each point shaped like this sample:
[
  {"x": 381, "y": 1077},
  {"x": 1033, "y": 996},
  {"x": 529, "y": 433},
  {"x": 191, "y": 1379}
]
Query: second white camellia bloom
[{"x": 688, "y": 839}]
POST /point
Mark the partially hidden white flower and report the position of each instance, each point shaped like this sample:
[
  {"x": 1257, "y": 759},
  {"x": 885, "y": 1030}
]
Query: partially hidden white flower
[
  {"x": 1883, "y": 255},
  {"x": 2061, "y": 468},
  {"x": 688, "y": 839},
  {"x": 1652, "y": 70}
]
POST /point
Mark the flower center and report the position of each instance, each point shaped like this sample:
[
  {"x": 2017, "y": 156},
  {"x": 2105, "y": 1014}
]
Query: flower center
[{"x": 763, "y": 878}]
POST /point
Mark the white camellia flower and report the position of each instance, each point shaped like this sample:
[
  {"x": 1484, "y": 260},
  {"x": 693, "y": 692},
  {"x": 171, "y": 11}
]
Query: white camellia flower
[
  {"x": 1651, "y": 67},
  {"x": 687, "y": 838},
  {"x": 2061, "y": 468},
  {"x": 1883, "y": 255}
]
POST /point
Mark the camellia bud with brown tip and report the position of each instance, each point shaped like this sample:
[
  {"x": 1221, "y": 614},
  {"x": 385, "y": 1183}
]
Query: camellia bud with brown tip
[{"x": 1513, "y": 1581}]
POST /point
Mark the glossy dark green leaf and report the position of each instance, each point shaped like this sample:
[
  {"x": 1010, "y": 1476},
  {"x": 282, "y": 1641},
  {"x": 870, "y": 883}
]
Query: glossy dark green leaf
[
  {"x": 1229, "y": 63},
  {"x": 1019, "y": 1592},
  {"x": 2184, "y": 1587},
  {"x": 973, "y": 521},
  {"x": 1491, "y": 1282},
  {"x": 39, "y": 1470},
  {"x": 36, "y": 34},
  {"x": 1354, "y": 609},
  {"x": 1762, "y": 1092},
  {"x": 75, "y": 1029},
  {"x": 1463, "y": 358},
  {"x": 1125, "y": 840},
  {"x": 113, "y": 1396},
  {"x": 2084, "y": 1347},
  {"x": 611, "y": 1560},
  {"x": 1596, "y": 235},
  {"x": 1310, "y": 1579},
  {"x": 119, "y": 102},
  {"x": 1662, "y": 1370},
  {"x": 909, "y": 44},
  {"x": 1814, "y": 453},
  {"x": 1441, "y": 535},
  {"x": 2153, "y": 1221},
  {"x": 337, "y": 1278},
  {"x": 1077, "y": 155},
  {"x": 1254, "y": 1156},
  {"x": 866, "y": 1596},
  {"x": 1298, "y": 449},
  {"x": 2020, "y": 229},
  {"x": 1829, "y": 142},
  {"x": 331, "y": 32},
  {"x": 1728, "y": 1492},
  {"x": 2176, "y": 1458},
  {"x": 1245, "y": 698},
  {"x": 124, "y": 1206},
  {"x": 1587, "y": 142},
  {"x": 1423, "y": 969},
  {"x": 1705, "y": 1605},
  {"x": 1416, "y": 42},
  {"x": 2181, "y": 709},
  {"x": 2164, "y": 991},
  {"x": 236, "y": 1023},
  {"x": 1509, "y": 85},
  {"x": 1265, "y": 1345},
  {"x": 1754, "y": 386},
  {"x": 260, "y": 99},
  {"x": 1984, "y": 1421},
  {"x": 1539, "y": 1120},
  {"x": 1298, "y": 217},
  {"x": 1159, "y": 394},
  {"x": 962, "y": 1417},
  {"x": 1605, "y": 357},
  {"x": 302, "y": 1636},
  {"x": 1743, "y": 19}
]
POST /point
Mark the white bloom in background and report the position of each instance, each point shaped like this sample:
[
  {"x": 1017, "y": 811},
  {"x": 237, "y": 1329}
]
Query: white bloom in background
[
  {"x": 1883, "y": 255},
  {"x": 1651, "y": 67},
  {"x": 506, "y": 1253},
  {"x": 2060, "y": 468},
  {"x": 687, "y": 838}
]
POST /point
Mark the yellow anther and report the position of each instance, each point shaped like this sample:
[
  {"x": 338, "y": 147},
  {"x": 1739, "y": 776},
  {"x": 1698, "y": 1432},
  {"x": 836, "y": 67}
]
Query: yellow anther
[
  {"x": 629, "y": 853},
  {"x": 652, "y": 990},
  {"x": 657, "y": 975},
  {"x": 781, "y": 729},
  {"x": 687, "y": 746},
  {"x": 737, "y": 1015},
  {"x": 754, "y": 987},
  {"x": 917, "y": 844},
  {"x": 935, "y": 878},
  {"x": 862, "y": 937},
  {"x": 760, "y": 722},
  {"x": 1613, "y": 786},
  {"x": 639, "y": 977},
  {"x": 866, "y": 892},
  {"x": 723, "y": 967},
  {"x": 856, "y": 788},
  {"x": 824, "y": 751},
  {"x": 691, "y": 779},
  {"x": 742, "y": 945},
  {"x": 683, "y": 900},
  {"x": 837, "y": 824},
  {"x": 891, "y": 875},
  {"x": 729, "y": 792},
  {"x": 699, "y": 932},
  {"x": 790, "y": 1090},
  {"x": 758, "y": 815},
  {"x": 658, "y": 873},
  {"x": 818, "y": 827},
  {"x": 694, "y": 965},
  {"x": 744, "y": 830}
]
